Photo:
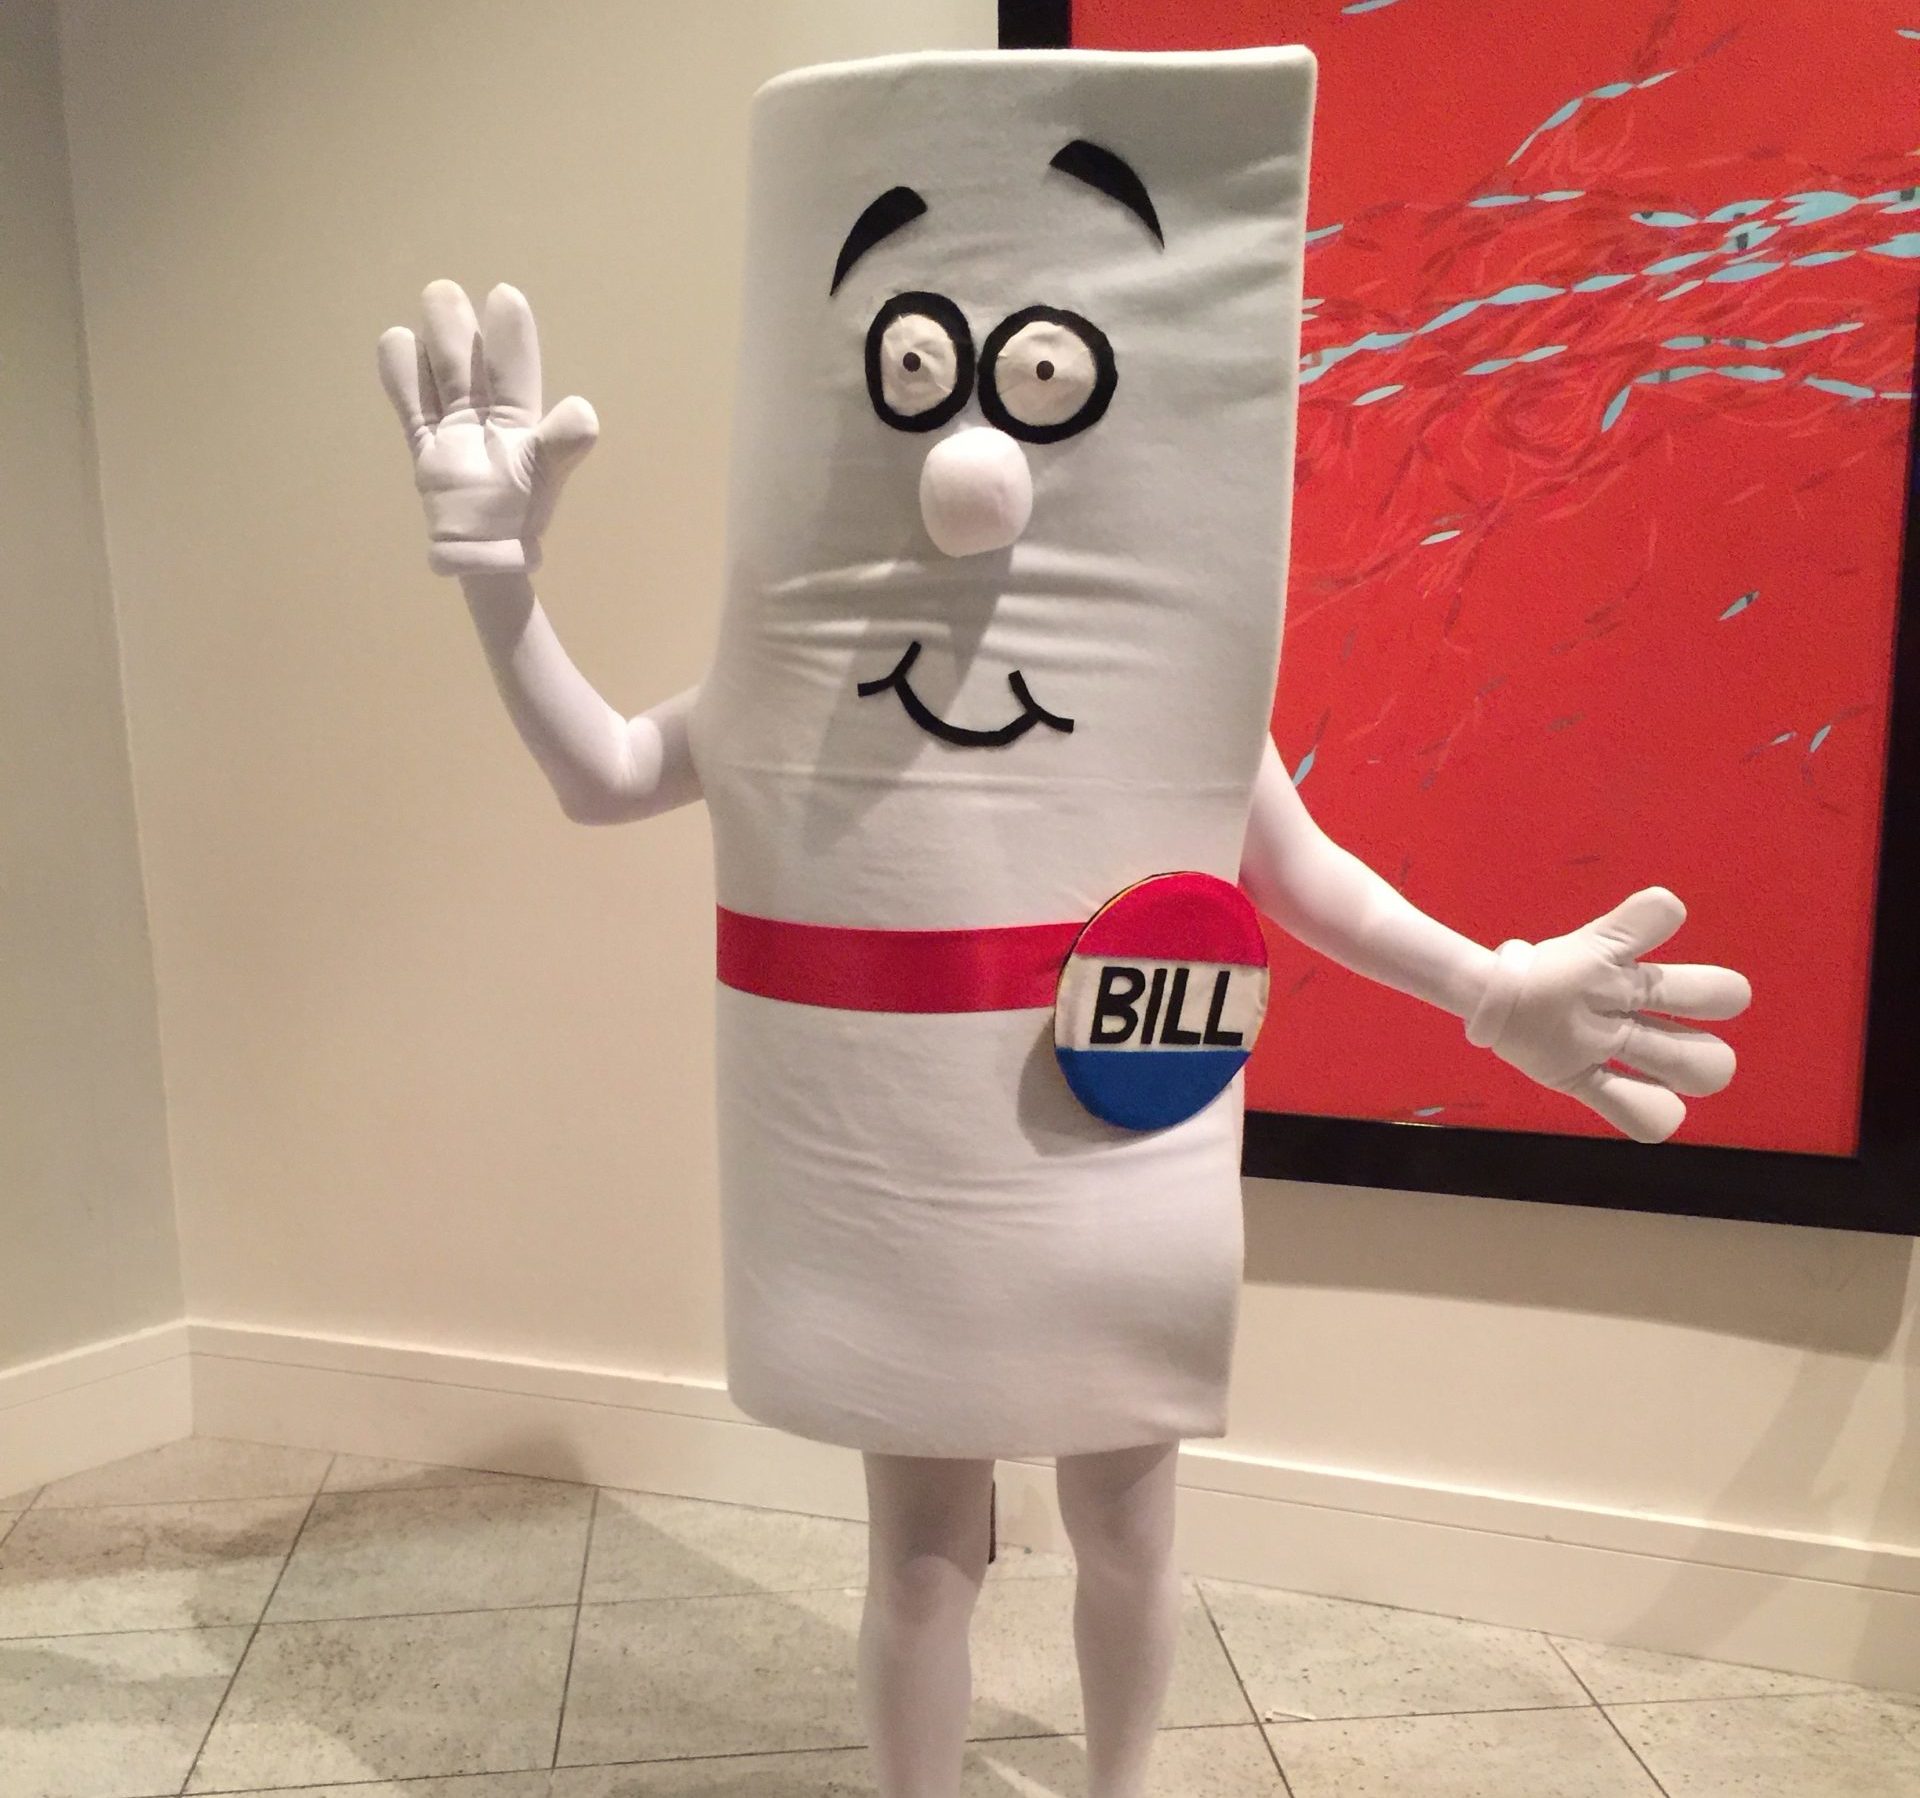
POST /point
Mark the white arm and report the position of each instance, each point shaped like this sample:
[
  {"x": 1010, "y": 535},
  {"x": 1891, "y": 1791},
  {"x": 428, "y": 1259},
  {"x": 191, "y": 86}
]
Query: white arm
[
  {"x": 489, "y": 464},
  {"x": 1562, "y": 1011},
  {"x": 605, "y": 768},
  {"x": 1333, "y": 902}
]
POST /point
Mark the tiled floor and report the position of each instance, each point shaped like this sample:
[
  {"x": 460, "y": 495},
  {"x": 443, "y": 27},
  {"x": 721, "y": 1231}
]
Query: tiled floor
[{"x": 221, "y": 1617}]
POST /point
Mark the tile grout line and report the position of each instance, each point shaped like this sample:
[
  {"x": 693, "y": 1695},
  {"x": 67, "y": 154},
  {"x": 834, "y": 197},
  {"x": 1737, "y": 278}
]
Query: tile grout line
[
  {"x": 1246, "y": 1697},
  {"x": 158, "y": 1504},
  {"x": 253, "y": 1634},
  {"x": 1652, "y": 1776},
  {"x": 1492, "y": 1710},
  {"x": 573, "y": 1641}
]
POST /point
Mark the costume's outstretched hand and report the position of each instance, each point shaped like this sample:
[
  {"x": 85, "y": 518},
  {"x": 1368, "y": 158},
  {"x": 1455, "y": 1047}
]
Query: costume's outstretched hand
[
  {"x": 488, "y": 465},
  {"x": 1562, "y": 1010}
]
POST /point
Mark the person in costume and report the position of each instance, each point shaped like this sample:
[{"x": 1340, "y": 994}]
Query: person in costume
[{"x": 1007, "y": 540}]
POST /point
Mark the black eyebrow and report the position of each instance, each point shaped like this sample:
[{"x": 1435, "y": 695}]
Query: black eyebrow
[
  {"x": 896, "y": 207},
  {"x": 1113, "y": 176}
]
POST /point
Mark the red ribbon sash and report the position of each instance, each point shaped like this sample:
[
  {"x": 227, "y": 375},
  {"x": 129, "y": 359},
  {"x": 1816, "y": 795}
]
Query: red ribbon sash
[{"x": 1011, "y": 967}]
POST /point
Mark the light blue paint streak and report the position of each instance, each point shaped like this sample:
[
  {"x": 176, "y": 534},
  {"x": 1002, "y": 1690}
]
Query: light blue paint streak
[
  {"x": 1672, "y": 265},
  {"x": 1819, "y": 737},
  {"x": 1739, "y": 605},
  {"x": 1821, "y": 203},
  {"x": 1551, "y": 196},
  {"x": 1380, "y": 393},
  {"x": 1305, "y": 766},
  {"x": 1495, "y": 364},
  {"x": 1439, "y": 537},
  {"x": 1453, "y": 314},
  {"x": 1360, "y": 6},
  {"x": 1599, "y": 283},
  {"x": 1611, "y": 91},
  {"x": 1845, "y": 389},
  {"x": 1738, "y": 209},
  {"x": 1666, "y": 377},
  {"x": 1745, "y": 271},
  {"x": 1325, "y": 231},
  {"x": 1907, "y": 244}
]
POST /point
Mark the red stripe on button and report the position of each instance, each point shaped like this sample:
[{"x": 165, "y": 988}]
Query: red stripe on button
[{"x": 1012, "y": 967}]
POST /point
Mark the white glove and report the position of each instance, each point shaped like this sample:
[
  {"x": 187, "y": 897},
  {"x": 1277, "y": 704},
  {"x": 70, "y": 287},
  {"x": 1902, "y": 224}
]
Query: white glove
[
  {"x": 1561, "y": 1010},
  {"x": 487, "y": 465}
]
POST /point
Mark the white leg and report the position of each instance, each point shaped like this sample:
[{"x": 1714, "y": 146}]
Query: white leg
[
  {"x": 926, "y": 1557},
  {"x": 1118, "y": 1510}
]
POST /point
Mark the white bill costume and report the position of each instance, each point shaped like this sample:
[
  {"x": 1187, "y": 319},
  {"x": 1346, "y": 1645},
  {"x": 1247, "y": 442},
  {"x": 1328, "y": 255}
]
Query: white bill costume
[{"x": 1007, "y": 547}]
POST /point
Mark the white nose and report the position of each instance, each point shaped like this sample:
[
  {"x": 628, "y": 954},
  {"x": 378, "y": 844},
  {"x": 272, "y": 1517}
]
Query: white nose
[{"x": 975, "y": 491}]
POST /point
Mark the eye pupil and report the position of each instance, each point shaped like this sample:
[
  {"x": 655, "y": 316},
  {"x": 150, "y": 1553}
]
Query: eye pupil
[
  {"x": 1043, "y": 371},
  {"x": 911, "y": 361}
]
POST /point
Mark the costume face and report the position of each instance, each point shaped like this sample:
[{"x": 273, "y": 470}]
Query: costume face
[{"x": 1012, "y": 459}]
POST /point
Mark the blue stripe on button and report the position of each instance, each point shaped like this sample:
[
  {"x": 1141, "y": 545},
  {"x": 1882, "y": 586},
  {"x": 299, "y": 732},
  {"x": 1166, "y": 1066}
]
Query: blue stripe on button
[{"x": 1148, "y": 1089}]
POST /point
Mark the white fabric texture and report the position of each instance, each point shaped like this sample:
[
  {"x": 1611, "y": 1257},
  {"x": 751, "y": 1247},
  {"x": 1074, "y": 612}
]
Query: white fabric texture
[{"x": 930, "y": 1248}]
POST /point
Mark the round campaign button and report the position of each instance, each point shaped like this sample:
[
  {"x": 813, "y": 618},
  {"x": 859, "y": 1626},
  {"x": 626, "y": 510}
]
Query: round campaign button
[{"x": 1160, "y": 1000}]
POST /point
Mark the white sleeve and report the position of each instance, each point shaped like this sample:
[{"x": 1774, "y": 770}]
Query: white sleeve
[
  {"x": 1333, "y": 902},
  {"x": 605, "y": 768}
]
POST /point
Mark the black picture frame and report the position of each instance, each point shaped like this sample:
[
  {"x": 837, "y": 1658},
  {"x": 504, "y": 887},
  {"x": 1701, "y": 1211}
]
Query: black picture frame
[{"x": 1876, "y": 1189}]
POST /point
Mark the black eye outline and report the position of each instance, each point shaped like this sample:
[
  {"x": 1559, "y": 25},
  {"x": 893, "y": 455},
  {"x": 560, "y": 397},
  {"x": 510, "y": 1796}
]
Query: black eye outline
[
  {"x": 1106, "y": 377},
  {"x": 950, "y": 319}
]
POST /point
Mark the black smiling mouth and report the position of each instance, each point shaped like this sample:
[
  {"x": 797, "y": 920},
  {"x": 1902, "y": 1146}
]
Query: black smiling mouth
[{"x": 1031, "y": 711}]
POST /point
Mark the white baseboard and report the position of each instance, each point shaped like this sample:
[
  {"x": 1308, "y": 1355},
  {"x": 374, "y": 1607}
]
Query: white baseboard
[
  {"x": 1832, "y": 1609},
  {"x": 93, "y": 1404}
]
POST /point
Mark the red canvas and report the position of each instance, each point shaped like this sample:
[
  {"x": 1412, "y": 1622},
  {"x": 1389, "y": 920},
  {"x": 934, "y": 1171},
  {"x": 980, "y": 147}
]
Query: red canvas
[{"x": 1605, "y": 401}]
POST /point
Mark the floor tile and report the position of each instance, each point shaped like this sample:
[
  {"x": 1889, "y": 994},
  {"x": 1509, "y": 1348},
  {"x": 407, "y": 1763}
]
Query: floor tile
[
  {"x": 364, "y": 1473},
  {"x": 1193, "y": 1763},
  {"x": 1847, "y": 1744},
  {"x": 1494, "y": 1754},
  {"x": 200, "y": 1468},
  {"x": 736, "y": 1675},
  {"x": 144, "y": 1566},
  {"x": 1327, "y": 1657},
  {"x": 824, "y": 1773},
  {"x": 370, "y": 1554},
  {"x": 646, "y": 1546},
  {"x": 1025, "y": 1680},
  {"x": 391, "y": 1698},
  {"x": 1626, "y": 1675},
  {"x": 1187, "y": 1763},
  {"x": 458, "y": 1785},
  {"x": 109, "y": 1716}
]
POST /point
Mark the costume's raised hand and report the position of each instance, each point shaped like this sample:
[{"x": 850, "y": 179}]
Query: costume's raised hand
[
  {"x": 1561, "y": 1010},
  {"x": 488, "y": 465}
]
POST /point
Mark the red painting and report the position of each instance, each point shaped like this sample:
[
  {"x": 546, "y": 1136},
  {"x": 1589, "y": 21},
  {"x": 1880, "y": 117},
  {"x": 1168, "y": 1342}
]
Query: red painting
[{"x": 1604, "y": 406}]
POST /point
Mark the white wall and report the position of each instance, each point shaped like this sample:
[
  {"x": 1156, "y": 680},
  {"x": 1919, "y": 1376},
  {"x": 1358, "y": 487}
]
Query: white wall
[
  {"x": 86, "y": 1212},
  {"x": 439, "y": 1061}
]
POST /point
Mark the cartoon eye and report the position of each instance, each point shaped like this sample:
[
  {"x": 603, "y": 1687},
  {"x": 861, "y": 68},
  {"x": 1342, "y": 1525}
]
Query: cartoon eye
[
  {"x": 1045, "y": 374},
  {"x": 919, "y": 361}
]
